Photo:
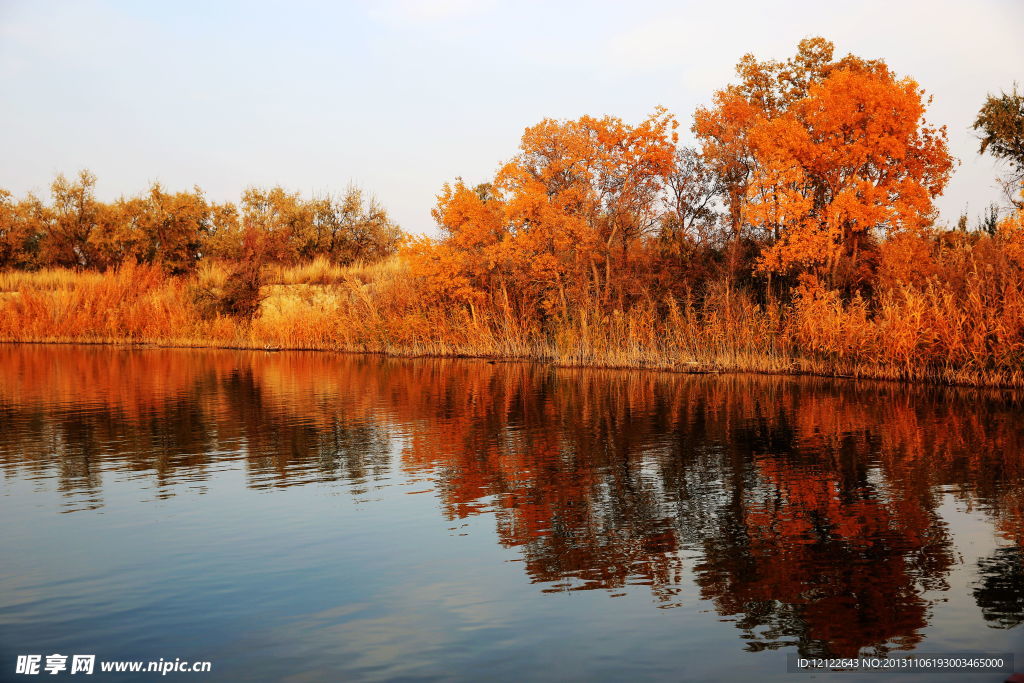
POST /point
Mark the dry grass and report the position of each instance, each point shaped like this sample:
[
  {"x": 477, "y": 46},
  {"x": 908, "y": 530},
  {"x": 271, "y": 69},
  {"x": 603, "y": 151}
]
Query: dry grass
[
  {"x": 964, "y": 329},
  {"x": 48, "y": 279},
  {"x": 322, "y": 271}
]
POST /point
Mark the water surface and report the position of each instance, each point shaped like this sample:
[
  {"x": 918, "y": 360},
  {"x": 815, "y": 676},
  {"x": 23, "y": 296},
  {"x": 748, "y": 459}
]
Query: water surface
[{"x": 311, "y": 516}]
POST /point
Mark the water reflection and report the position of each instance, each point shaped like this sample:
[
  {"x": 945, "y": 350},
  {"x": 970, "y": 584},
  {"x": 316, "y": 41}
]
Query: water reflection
[
  {"x": 805, "y": 510},
  {"x": 999, "y": 590}
]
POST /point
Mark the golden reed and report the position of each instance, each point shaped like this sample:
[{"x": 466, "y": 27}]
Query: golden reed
[{"x": 964, "y": 327}]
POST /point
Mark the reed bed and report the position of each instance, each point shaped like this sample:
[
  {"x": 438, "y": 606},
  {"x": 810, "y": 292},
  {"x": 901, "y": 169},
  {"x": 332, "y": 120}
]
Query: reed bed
[{"x": 955, "y": 330}]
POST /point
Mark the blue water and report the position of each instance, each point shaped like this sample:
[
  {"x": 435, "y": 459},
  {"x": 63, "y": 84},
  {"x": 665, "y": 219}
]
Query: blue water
[{"x": 311, "y": 516}]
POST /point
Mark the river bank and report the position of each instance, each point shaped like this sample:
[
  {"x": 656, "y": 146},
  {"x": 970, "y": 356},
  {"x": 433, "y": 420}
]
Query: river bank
[{"x": 377, "y": 309}]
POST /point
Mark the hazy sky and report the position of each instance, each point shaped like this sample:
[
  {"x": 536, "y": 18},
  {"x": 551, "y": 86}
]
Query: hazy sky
[{"x": 399, "y": 96}]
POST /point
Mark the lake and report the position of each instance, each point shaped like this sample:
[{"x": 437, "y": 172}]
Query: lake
[{"x": 316, "y": 516}]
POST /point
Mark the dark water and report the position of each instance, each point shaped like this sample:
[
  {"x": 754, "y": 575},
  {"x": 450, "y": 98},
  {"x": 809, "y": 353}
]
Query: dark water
[{"x": 306, "y": 517}]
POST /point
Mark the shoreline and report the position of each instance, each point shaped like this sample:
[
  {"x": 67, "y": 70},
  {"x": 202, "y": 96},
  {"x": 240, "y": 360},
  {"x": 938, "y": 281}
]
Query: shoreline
[{"x": 695, "y": 368}]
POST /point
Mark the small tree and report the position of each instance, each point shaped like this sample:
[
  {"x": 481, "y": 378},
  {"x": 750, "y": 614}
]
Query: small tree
[
  {"x": 1000, "y": 126},
  {"x": 75, "y": 215},
  {"x": 242, "y": 294}
]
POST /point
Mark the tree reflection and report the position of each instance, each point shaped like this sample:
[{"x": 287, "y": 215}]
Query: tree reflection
[
  {"x": 806, "y": 510},
  {"x": 1000, "y": 588}
]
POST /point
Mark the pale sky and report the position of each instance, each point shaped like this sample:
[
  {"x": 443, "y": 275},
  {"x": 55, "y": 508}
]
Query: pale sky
[{"x": 399, "y": 96}]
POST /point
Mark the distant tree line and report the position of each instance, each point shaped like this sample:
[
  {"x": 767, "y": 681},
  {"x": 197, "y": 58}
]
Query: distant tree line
[{"x": 176, "y": 230}]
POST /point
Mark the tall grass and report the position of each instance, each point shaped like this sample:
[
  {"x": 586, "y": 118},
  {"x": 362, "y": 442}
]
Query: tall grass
[{"x": 964, "y": 325}]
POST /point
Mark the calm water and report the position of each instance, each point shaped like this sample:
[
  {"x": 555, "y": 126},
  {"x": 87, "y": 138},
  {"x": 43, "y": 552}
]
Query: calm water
[{"x": 321, "y": 517}]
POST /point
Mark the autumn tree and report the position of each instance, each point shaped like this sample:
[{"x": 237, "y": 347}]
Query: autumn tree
[
  {"x": 350, "y": 228},
  {"x": 1000, "y": 126},
  {"x": 175, "y": 226},
  {"x": 74, "y": 216},
  {"x": 823, "y": 157},
  {"x": 694, "y": 190},
  {"x": 175, "y": 230},
  {"x": 280, "y": 218},
  {"x": 224, "y": 240},
  {"x": 765, "y": 90},
  {"x": 344, "y": 229},
  {"x": 161, "y": 228},
  {"x": 22, "y": 225},
  {"x": 561, "y": 220},
  {"x": 469, "y": 259},
  {"x": 243, "y": 294},
  {"x": 691, "y": 234}
]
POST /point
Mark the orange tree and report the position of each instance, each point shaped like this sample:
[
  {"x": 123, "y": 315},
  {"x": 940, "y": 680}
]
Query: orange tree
[
  {"x": 562, "y": 222},
  {"x": 161, "y": 228},
  {"x": 822, "y": 157},
  {"x": 22, "y": 228}
]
